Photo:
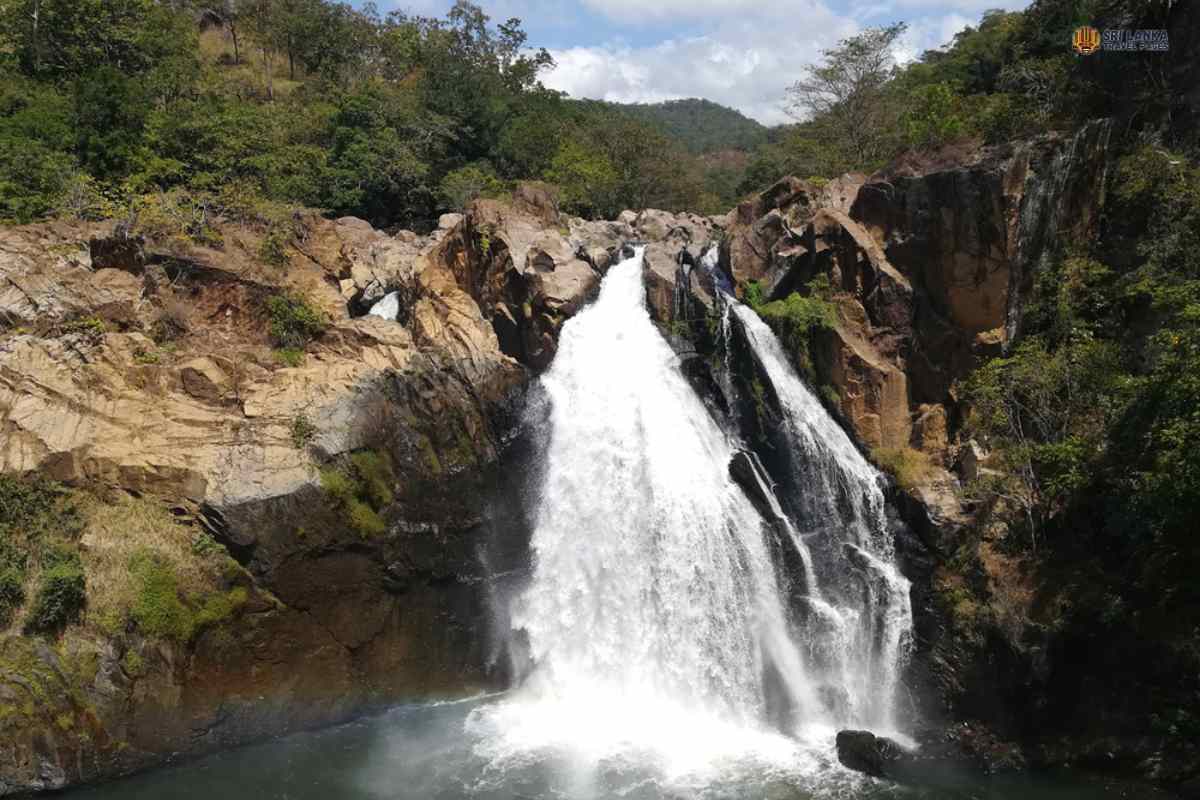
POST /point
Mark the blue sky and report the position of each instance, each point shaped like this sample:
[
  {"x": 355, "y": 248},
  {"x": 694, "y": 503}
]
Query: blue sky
[{"x": 742, "y": 53}]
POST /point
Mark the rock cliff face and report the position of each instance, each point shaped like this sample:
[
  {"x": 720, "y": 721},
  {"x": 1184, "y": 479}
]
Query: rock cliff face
[
  {"x": 930, "y": 264},
  {"x": 146, "y": 369}
]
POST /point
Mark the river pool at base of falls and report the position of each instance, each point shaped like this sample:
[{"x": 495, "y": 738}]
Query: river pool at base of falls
[{"x": 445, "y": 752}]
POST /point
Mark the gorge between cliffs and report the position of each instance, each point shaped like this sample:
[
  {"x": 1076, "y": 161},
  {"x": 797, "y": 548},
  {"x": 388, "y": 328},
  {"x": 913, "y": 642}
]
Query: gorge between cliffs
[{"x": 549, "y": 507}]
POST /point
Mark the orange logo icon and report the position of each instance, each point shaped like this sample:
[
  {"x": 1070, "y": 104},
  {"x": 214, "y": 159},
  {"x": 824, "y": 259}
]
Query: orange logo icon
[{"x": 1086, "y": 40}]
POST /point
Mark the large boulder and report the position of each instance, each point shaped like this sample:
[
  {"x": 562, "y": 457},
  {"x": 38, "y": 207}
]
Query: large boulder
[
  {"x": 519, "y": 268},
  {"x": 863, "y": 751}
]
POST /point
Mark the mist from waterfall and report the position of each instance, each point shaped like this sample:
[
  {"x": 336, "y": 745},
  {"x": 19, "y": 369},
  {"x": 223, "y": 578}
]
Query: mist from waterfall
[{"x": 663, "y": 633}]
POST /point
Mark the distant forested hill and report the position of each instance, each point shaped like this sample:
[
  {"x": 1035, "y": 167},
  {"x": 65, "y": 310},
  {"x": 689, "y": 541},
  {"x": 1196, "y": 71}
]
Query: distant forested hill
[{"x": 701, "y": 125}]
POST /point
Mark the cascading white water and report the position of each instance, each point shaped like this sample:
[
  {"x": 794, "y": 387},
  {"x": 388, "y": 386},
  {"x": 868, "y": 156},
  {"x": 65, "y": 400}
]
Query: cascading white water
[
  {"x": 387, "y": 307},
  {"x": 859, "y": 621},
  {"x": 655, "y": 616}
]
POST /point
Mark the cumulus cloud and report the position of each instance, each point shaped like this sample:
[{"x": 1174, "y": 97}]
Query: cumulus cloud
[
  {"x": 746, "y": 61},
  {"x": 640, "y": 10}
]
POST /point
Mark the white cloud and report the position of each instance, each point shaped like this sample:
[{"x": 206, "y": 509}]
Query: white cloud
[
  {"x": 974, "y": 7},
  {"x": 745, "y": 62},
  {"x": 929, "y": 33},
  {"x": 638, "y": 10}
]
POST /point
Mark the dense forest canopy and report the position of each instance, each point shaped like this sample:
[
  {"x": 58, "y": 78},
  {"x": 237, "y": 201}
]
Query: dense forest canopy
[
  {"x": 106, "y": 105},
  {"x": 396, "y": 118},
  {"x": 701, "y": 125}
]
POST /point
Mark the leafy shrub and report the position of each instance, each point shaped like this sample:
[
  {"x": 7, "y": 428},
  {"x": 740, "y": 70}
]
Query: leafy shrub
[
  {"x": 158, "y": 609},
  {"x": 1001, "y": 117},
  {"x": 146, "y": 357},
  {"x": 811, "y": 309},
  {"x": 91, "y": 328},
  {"x": 375, "y": 475},
  {"x": 289, "y": 356},
  {"x": 365, "y": 519},
  {"x": 797, "y": 317},
  {"x": 273, "y": 247},
  {"x": 753, "y": 295},
  {"x": 38, "y": 522},
  {"x": 933, "y": 117},
  {"x": 36, "y": 144},
  {"x": 178, "y": 216},
  {"x": 219, "y": 607},
  {"x": 133, "y": 664},
  {"x": 294, "y": 323},
  {"x": 205, "y": 546},
  {"x": 12, "y": 590},
  {"x": 468, "y": 183},
  {"x": 302, "y": 431},
  {"x": 61, "y": 594},
  {"x": 338, "y": 485}
]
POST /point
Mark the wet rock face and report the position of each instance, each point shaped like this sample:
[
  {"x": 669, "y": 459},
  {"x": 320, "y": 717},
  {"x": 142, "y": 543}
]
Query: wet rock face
[
  {"x": 147, "y": 367},
  {"x": 940, "y": 758},
  {"x": 928, "y": 265},
  {"x": 862, "y": 751}
]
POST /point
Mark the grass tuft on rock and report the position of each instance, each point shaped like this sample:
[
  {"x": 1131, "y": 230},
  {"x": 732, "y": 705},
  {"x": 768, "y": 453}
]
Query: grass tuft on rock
[
  {"x": 143, "y": 566},
  {"x": 158, "y": 609},
  {"x": 909, "y": 467},
  {"x": 362, "y": 488}
]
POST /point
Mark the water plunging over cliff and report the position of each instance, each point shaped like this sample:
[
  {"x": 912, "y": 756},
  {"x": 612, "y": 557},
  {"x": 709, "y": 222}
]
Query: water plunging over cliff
[
  {"x": 661, "y": 629},
  {"x": 855, "y": 622}
]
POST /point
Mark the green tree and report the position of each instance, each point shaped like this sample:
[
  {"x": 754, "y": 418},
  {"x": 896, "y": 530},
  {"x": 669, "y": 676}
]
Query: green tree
[
  {"x": 66, "y": 38},
  {"x": 459, "y": 187},
  {"x": 845, "y": 96},
  {"x": 933, "y": 116},
  {"x": 587, "y": 179},
  {"x": 110, "y": 114},
  {"x": 36, "y": 148}
]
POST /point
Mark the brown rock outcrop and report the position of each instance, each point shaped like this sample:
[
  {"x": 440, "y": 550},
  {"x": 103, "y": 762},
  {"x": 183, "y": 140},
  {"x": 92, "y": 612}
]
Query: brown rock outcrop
[
  {"x": 930, "y": 263},
  {"x": 216, "y": 426}
]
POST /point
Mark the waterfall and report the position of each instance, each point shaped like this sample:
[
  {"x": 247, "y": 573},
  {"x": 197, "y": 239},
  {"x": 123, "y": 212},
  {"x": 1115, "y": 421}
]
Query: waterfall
[
  {"x": 859, "y": 615},
  {"x": 387, "y": 307},
  {"x": 659, "y": 624}
]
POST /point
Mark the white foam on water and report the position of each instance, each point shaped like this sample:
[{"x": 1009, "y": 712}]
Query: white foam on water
[{"x": 655, "y": 614}]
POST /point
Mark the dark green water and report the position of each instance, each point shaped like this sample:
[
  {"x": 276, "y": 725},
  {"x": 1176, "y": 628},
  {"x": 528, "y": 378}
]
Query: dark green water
[{"x": 440, "y": 752}]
